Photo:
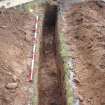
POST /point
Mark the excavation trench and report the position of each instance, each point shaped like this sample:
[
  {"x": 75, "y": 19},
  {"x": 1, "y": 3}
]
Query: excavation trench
[{"x": 51, "y": 91}]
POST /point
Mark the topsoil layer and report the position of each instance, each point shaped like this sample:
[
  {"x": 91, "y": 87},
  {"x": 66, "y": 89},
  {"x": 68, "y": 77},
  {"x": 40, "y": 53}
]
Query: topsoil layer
[
  {"x": 15, "y": 51},
  {"x": 85, "y": 34}
]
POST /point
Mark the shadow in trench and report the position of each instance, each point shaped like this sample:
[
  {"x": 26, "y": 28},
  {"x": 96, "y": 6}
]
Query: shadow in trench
[{"x": 50, "y": 83}]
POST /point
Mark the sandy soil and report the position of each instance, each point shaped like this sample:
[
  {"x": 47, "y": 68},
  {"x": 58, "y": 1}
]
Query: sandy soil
[
  {"x": 15, "y": 51},
  {"x": 85, "y": 34}
]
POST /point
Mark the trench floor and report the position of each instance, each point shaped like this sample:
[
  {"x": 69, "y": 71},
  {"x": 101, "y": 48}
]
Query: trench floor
[{"x": 49, "y": 87}]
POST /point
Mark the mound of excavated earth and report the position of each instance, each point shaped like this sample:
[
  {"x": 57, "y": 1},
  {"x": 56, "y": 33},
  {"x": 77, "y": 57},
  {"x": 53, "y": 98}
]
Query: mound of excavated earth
[
  {"x": 85, "y": 34},
  {"x": 15, "y": 51}
]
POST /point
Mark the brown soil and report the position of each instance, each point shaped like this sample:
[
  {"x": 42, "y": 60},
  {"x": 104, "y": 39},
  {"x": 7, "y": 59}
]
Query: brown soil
[
  {"x": 15, "y": 44},
  {"x": 49, "y": 92},
  {"x": 85, "y": 33}
]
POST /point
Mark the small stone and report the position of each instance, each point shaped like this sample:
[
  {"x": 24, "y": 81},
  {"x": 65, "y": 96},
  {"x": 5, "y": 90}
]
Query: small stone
[{"x": 12, "y": 85}]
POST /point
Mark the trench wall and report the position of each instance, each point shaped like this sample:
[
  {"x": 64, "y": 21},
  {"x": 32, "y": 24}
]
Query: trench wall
[{"x": 65, "y": 59}]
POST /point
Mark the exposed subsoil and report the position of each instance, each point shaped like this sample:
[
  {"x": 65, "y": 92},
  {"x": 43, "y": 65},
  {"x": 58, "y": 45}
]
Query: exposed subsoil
[
  {"x": 84, "y": 31},
  {"x": 85, "y": 34},
  {"x": 50, "y": 91},
  {"x": 15, "y": 44}
]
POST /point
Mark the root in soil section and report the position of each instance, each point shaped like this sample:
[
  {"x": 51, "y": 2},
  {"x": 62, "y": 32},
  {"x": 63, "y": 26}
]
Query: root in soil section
[{"x": 50, "y": 92}]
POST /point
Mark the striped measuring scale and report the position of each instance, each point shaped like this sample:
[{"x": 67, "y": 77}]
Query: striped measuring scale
[{"x": 34, "y": 49}]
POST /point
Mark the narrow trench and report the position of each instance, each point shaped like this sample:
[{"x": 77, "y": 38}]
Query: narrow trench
[{"x": 51, "y": 91}]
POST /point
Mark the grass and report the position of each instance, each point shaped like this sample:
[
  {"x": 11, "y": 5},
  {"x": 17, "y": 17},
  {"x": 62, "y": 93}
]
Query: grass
[{"x": 65, "y": 56}]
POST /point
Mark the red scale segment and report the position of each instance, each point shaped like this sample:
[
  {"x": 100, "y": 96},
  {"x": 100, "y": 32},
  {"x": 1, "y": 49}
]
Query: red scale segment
[{"x": 34, "y": 40}]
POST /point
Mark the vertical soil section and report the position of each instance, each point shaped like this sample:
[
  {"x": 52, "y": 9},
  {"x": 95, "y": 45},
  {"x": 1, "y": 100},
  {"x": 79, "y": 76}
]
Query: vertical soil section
[{"x": 49, "y": 74}]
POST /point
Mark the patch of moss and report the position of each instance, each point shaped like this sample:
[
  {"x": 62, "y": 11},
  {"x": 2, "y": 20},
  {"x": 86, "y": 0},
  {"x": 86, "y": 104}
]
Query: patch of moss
[{"x": 65, "y": 54}]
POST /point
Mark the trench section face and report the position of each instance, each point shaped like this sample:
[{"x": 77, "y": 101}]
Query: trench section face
[{"x": 50, "y": 91}]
